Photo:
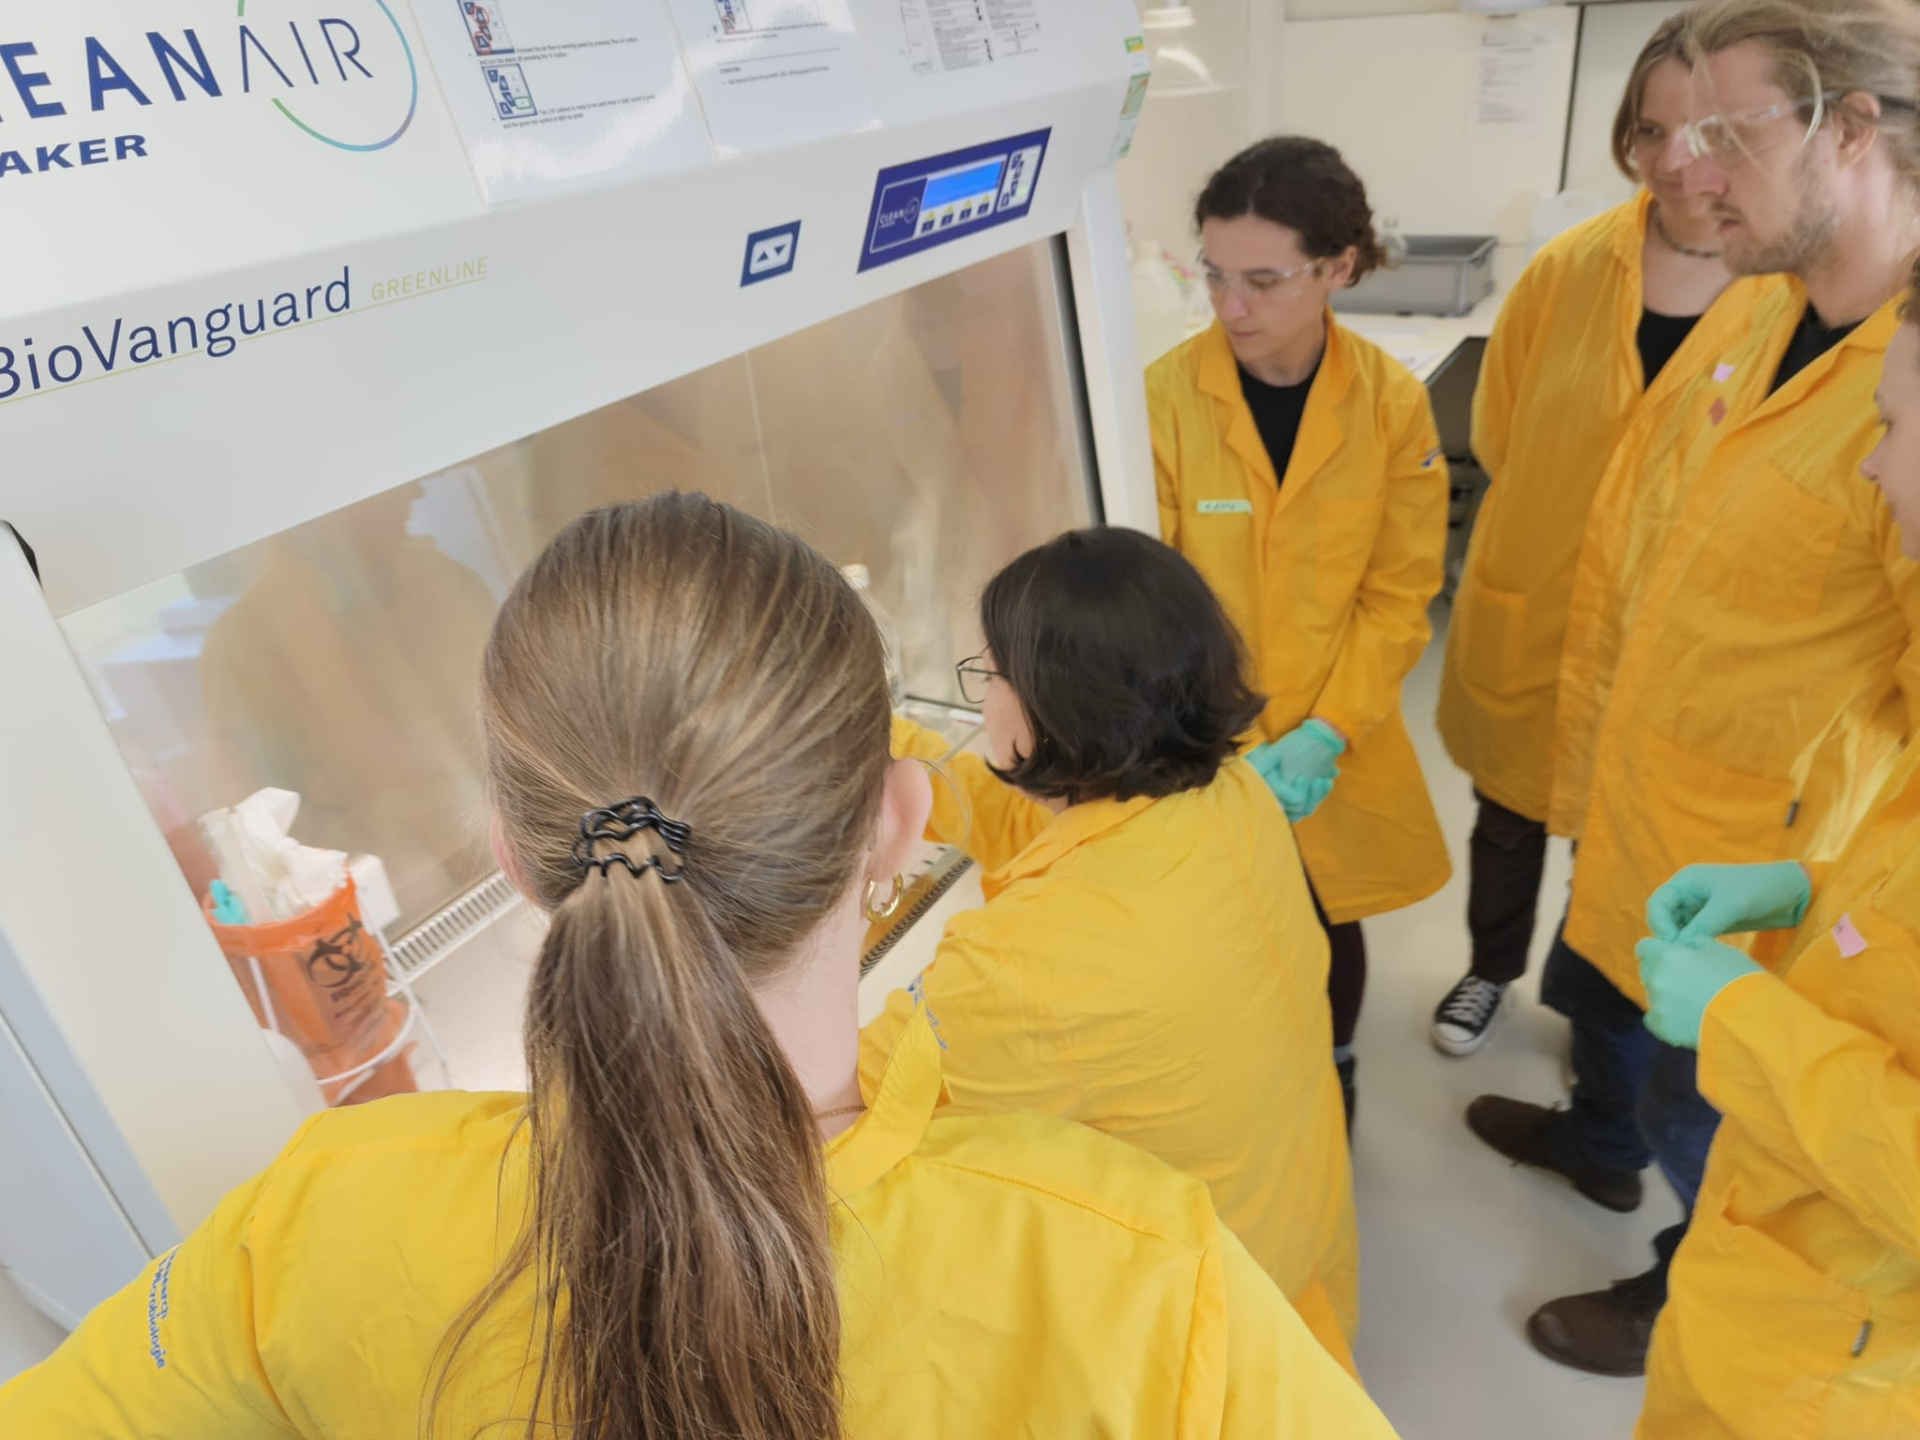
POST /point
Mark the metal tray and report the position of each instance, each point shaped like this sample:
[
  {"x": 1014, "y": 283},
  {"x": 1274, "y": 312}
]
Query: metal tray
[{"x": 1439, "y": 275}]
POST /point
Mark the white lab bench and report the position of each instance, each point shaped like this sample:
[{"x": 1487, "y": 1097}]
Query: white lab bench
[
  {"x": 1427, "y": 345},
  {"x": 1424, "y": 342}
]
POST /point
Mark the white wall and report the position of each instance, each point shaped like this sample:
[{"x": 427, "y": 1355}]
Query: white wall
[
  {"x": 1211, "y": 93},
  {"x": 1180, "y": 142},
  {"x": 1395, "y": 94},
  {"x": 1608, "y": 47},
  {"x": 1391, "y": 83},
  {"x": 1356, "y": 9}
]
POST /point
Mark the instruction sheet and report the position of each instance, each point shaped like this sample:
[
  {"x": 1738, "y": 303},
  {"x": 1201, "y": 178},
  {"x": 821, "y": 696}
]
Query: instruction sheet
[
  {"x": 772, "y": 73},
  {"x": 1511, "y": 90},
  {"x": 947, "y": 35},
  {"x": 546, "y": 93}
]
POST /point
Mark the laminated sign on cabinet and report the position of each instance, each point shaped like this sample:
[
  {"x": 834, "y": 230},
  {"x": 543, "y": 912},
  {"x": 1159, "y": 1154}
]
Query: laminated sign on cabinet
[
  {"x": 547, "y": 93},
  {"x": 774, "y": 73}
]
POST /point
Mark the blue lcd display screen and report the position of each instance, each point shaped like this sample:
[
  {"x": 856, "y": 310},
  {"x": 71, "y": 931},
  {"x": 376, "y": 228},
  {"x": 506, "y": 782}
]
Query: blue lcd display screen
[
  {"x": 962, "y": 185},
  {"x": 921, "y": 204}
]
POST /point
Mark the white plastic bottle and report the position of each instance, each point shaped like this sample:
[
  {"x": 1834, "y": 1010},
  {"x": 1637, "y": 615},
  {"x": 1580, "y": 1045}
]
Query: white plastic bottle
[{"x": 861, "y": 579}]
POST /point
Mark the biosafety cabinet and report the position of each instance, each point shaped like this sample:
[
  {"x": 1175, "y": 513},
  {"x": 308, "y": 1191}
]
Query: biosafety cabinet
[{"x": 319, "y": 317}]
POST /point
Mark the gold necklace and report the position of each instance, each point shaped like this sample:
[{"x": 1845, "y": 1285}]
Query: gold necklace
[
  {"x": 1660, "y": 228},
  {"x": 843, "y": 1110}
]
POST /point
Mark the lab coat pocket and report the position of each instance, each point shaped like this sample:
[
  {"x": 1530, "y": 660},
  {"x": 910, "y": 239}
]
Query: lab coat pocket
[
  {"x": 1769, "y": 1334},
  {"x": 1493, "y": 629},
  {"x": 1343, "y": 547},
  {"x": 1775, "y": 565},
  {"x": 1707, "y": 809}
]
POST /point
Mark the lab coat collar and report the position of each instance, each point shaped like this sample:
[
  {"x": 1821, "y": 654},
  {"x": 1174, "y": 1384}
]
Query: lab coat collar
[
  {"x": 1631, "y": 222},
  {"x": 901, "y": 1103},
  {"x": 1220, "y": 377},
  {"x": 1320, "y": 430},
  {"x": 1076, "y": 826},
  {"x": 1871, "y": 335},
  {"x": 1876, "y": 332}
]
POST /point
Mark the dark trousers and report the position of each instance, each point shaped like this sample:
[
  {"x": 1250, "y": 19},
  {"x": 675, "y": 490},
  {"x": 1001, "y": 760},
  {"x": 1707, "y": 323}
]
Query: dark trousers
[
  {"x": 1346, "y": 972},
  {"x": 1635, "y": 1098},
  {"x": 1505, "y": 859}
]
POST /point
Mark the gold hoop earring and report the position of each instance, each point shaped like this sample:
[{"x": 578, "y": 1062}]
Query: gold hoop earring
[{"x": 876, "y": 913}]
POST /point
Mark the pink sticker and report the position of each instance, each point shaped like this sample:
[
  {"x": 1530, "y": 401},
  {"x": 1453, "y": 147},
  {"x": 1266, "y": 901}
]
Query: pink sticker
[
  {"x": 1850, "y": 940},
  {"x": 1722, "y": 374}
]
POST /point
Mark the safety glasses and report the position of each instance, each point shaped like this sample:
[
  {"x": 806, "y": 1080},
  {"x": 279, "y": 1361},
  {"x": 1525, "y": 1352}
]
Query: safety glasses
[
  {"x": 1252, "y": 286},
  {"x": 1727, "y": 140}
]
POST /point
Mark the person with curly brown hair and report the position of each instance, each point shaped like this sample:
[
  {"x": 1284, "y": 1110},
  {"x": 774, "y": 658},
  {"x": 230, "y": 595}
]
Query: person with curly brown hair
[{"x": 1299, "y": 468}]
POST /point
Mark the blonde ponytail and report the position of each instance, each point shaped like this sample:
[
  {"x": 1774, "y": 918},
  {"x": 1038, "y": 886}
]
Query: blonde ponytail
[{"x": 678, "y": 1237}]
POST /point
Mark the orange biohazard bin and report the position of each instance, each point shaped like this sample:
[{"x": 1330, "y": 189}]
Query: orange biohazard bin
[{"x": 325, "y": 982}]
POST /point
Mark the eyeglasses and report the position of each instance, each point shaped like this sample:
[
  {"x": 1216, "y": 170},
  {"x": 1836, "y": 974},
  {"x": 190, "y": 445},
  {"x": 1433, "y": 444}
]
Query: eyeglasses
[
  {"x": 1251, "y": 285},
  {"x": 1729, "y": 139},
  {"x": 973, "y": 676}
]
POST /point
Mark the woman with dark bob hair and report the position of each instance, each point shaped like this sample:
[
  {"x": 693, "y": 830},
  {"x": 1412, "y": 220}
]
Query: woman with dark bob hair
[{"x": 1147, "y": 961}]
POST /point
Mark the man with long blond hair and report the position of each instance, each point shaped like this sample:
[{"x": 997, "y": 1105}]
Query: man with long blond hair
[{"x": 1743, "y": 642}]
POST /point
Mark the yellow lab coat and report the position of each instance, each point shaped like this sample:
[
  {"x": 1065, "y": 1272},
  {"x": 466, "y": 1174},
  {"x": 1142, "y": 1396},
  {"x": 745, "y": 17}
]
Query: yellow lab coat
[
  {"x": 1153, "y": 968},
  {"x": 1794, "y": 1307},
  {"x": 998, "y": 1276},
  {"x": 1328, "y": 578},
  {"x": 1559, "y": 386},
  {"x": 1767, "y": 654}
]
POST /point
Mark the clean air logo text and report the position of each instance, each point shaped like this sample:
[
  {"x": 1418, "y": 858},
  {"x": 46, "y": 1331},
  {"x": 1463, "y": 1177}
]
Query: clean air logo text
[{"x": 346, "y": 80}]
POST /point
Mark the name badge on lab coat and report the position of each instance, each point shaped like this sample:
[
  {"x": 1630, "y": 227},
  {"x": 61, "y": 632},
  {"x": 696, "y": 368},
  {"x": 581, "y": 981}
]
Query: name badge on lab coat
[{"x": 1226, "y": 507}]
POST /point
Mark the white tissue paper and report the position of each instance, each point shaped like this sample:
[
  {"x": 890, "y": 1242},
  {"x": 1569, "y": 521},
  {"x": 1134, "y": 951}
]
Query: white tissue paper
[{"x": 292, "y": 877}]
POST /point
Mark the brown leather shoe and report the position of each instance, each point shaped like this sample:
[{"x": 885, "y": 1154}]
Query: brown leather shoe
[
  {"x": 1536, "y": 1135},
  {"x": 1603, "y": 1333}
]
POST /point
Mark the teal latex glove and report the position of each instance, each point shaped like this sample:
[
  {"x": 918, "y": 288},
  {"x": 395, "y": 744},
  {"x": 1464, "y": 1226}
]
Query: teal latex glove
[
  {"x": 1299, "y": 799},
  {"x": 1681, "y": 982},
  {"x": 1703, "y": 902},
  {"x": 1300, "y": 767}
]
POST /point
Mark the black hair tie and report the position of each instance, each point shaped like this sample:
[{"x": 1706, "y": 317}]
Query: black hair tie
[{"x": 620, "y": 823}]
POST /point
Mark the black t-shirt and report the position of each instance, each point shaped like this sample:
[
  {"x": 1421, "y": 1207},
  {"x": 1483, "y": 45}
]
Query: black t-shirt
[
  {"x": 1810, "y": 341},
  {"x": 1659, "y": 338},
  {"x": 1276, "y": 414}
]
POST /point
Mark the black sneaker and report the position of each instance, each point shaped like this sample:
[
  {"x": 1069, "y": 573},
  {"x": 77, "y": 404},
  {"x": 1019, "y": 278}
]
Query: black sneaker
[{"x": 1461, "y": 1023}]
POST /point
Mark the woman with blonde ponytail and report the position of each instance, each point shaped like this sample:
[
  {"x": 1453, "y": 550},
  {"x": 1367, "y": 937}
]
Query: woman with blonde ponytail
[{"x": 700, "y": 1223}]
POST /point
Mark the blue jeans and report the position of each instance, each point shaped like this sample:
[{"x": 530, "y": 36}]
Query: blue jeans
[{"x": 1635, "y": 1098}]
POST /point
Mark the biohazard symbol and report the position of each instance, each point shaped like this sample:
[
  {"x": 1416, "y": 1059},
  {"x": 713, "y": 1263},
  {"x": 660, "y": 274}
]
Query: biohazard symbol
[{"x": 338, "y": 959}]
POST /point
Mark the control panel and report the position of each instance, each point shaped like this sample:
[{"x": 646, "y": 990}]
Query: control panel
[{"x": 928, "y": 202}]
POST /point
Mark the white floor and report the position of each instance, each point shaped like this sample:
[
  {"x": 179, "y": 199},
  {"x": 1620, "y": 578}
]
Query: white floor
[{"x": 1458, "y": 1247}]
